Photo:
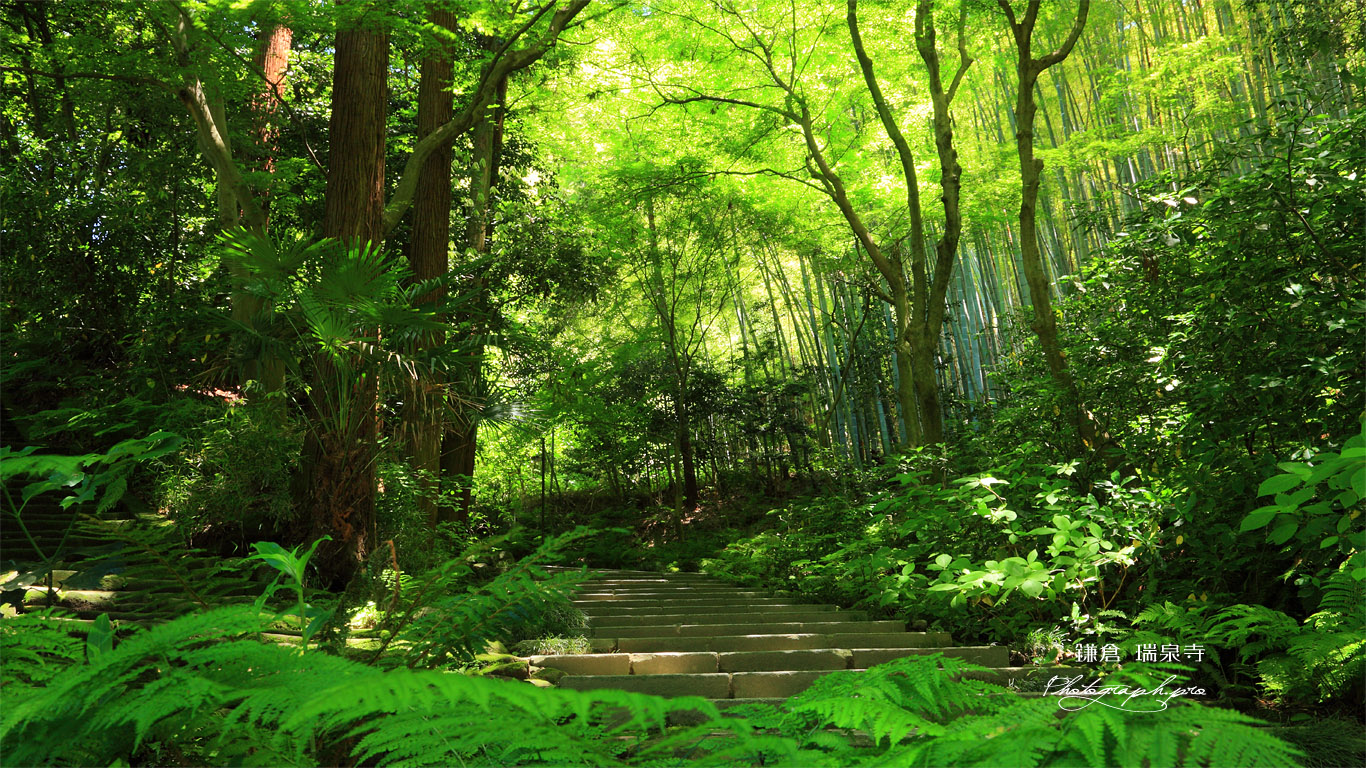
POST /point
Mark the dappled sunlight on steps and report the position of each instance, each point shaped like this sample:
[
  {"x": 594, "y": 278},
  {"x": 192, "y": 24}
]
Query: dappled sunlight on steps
[{"x": 687, "y": 634}]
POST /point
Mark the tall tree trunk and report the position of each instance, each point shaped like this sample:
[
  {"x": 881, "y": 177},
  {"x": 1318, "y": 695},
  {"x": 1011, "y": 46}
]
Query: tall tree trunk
[
  {"x": 680, "y": 364},
  {"x": 1044, "y": 323},
  {"x": 339, "y": 460},
  {"x": 460, "y": 445},
  {"x": 919, "y": 307},
  {"x": 428, "y": 254},
  {"x": 273, "y": 42}
]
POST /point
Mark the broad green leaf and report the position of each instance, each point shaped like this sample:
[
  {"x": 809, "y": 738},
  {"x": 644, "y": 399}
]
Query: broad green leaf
[
  {"x": 1278, "y": 484},
  {"x": 101, "y": 637},
  {"x": 1283, "y": 532},
  {"x": 1258, "y": 518}
]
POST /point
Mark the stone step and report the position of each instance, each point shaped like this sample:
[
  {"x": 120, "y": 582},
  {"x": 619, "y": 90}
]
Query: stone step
[
  {"x": 783, "y": 642},
  {"x": 649, "y": 586},
  {"x": 694, "y": 578},
  {"x": 752, "y": 628},
  {"x": 685, "y": 593},
  {"x": 713, "y": 685},
  {"x": 985, "y": 655},
  {"x": 784, "y": 661},
  {"x": 672, "y": 663},
  {"x": 665, "y": 609},
  {"x": 634, "y": 573},
  {"x": 783, "y": 614},
  {"x": 696, "y": 662},
  {"x": 687, "y": 603}
]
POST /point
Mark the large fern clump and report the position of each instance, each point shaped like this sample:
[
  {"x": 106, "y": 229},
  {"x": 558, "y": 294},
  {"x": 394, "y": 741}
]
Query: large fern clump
[
  {"x": 445, "y": 617},
  {"x": 202, "y": 690},
  {"x": 920, "y": 711}
]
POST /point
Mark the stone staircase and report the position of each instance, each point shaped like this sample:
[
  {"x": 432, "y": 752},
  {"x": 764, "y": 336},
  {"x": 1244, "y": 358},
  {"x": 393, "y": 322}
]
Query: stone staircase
[{"x": 681, "y": 634}]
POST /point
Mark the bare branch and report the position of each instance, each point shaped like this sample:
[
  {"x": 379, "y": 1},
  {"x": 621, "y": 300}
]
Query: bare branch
[
  {"x": 884, "y": 113},
  {"x": 213, "y": 133},
  {"x": 964, "y": 60}
]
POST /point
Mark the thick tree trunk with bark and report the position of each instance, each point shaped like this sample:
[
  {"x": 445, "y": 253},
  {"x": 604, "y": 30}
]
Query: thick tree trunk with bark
[{"x": 339, "y": 460}]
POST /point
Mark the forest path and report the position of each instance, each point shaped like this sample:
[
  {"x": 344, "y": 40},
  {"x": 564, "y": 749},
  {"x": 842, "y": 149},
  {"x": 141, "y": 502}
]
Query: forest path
[{"x": 688, "y": 634}]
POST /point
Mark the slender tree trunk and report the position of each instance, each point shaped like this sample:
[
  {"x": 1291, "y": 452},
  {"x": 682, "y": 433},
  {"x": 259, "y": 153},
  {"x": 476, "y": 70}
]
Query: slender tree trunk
[
  {"x": 428, "y": 254},
  {"x": 1044, "y": 322},
  {"x": 460, "y": 445},
  {"x": 272, "y": 59}
]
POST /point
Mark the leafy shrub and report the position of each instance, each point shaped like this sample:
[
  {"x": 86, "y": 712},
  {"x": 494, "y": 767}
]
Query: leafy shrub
[
  {"x": 1315, "y": 511},
  {"x": 444, "y": 617},
  {"x": 1320, "y": 660},
  {"x": 232, "y": 483},
  {"x": 1020, "y": 545}
]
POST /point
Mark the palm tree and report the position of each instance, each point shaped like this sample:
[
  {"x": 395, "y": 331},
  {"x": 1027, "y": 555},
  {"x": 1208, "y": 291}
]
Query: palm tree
[{"x": 345, "y": 320}]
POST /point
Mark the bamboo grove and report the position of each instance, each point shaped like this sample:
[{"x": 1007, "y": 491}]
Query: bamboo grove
[{"x": 803, "y": 321}]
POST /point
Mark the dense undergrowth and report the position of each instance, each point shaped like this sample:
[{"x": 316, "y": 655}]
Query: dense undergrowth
[{"x": 205, "y": 689}]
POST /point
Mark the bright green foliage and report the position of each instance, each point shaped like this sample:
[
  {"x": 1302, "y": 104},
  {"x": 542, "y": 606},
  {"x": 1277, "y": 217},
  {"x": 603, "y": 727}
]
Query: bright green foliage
[
  {"x": 1019, "y": 543},
  {"x": 1316, "y": 507},
  {"x": 195, "y": 687},
  {"x": 81, "y": 478},
  {"x": 1321, "y": 659},
  {"x": 292, "y": 569}
]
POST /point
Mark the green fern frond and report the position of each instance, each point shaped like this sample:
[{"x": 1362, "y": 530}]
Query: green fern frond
[
  {"x": 1022, "y": 733},
  {"x": 111, "y": 704},
  {"x": 1223, "y": 737},
  {"x": 1343, "y": 604},
  {"x": 446, "y": 622},
  {"x": 916, "y": 694},
  {"x": 34, "y": 647},
  {"x": 1253, "y": 629}
]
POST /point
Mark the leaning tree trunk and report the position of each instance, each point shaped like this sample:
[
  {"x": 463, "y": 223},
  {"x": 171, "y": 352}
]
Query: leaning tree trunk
[{"x": 339, "y": 460}]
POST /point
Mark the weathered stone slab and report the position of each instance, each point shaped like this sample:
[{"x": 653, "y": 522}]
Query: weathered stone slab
[
  {"x": 986, "y": 655},
  {"x": 775, "y": 661},
  {"x": 685, "y": 603},
  {"x": 772, "y": 685},
  {"x": 586, "y": 664},
  {"x": 713, "y": 686},
  {"x": 762, "y": 626},
  {"x": 665, "y": 608},
  {"x": 775, "y": 614},
  {"x": 664, "y": 644},
  {"x": 672, "y": 663},
  {"x": 650, "y": 630}
]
